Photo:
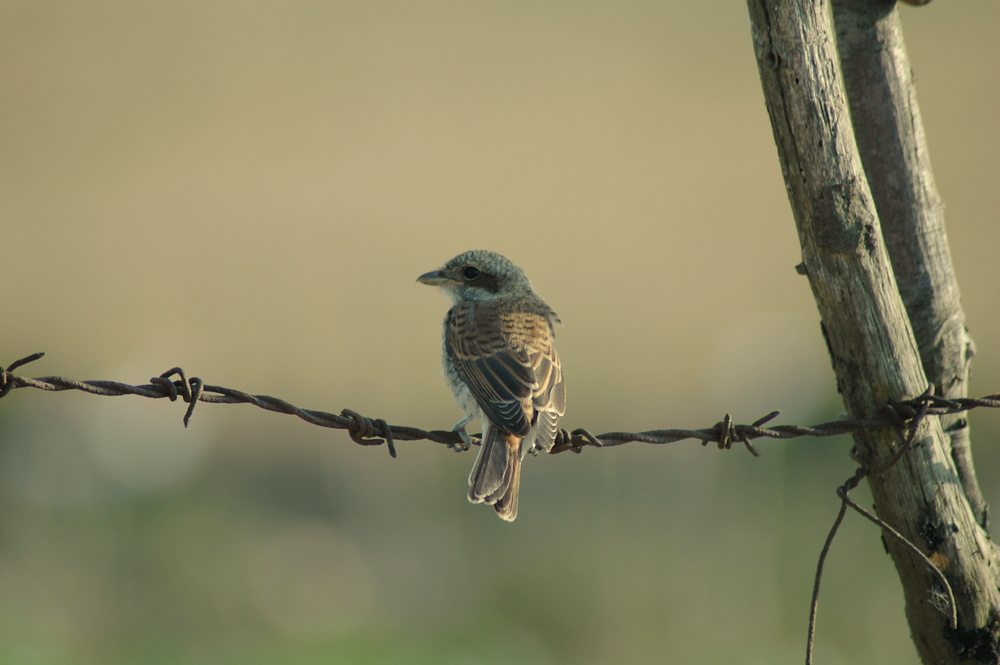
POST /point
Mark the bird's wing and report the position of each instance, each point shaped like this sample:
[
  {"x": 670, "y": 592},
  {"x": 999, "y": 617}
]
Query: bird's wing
[
  {"x": 549, "y": 396},
  {"x": 507, "y": 360}
]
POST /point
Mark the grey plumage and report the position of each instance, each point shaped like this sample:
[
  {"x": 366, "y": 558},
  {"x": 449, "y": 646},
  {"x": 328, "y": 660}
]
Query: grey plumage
[{"x": 501, "y": 363}]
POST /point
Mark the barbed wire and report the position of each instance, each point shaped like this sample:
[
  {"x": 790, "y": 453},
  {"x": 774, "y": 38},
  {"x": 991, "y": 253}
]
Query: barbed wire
[
  {"x": 906, "y": 431},
  {"x": 376, "y": 431},
  {"x": 905, "y": 417}
]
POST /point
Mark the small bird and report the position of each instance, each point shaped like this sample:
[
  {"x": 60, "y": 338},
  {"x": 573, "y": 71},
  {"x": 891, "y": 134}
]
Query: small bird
[{"x": 500, "y": 361}]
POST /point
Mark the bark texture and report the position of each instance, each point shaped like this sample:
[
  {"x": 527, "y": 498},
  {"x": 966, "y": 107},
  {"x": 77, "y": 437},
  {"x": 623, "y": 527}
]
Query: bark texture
[
  {"x": 890, "y": 138},
  {"x": 868, "y": 330}
]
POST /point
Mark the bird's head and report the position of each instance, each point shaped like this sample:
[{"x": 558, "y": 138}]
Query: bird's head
[{"x": 478, "y": 275}]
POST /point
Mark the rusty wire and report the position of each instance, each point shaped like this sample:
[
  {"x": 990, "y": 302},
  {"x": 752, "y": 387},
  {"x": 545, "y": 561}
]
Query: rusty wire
[
  {"x": 375, "y": 431},
  {"x": 905, "y": 417},
  {"x": 906, "y": 423}
]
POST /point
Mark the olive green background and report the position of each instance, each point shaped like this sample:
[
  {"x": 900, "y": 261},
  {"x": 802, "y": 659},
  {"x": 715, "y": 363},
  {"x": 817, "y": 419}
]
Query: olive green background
[{"x": 250, "y": 189}]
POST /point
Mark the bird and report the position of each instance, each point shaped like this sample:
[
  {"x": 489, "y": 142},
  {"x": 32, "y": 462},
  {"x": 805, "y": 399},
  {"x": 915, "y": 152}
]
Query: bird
[{"x": 500, "y": 362}]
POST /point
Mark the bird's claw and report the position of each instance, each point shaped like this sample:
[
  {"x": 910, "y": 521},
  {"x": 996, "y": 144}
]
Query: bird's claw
[{"x": 466, "y": 443}]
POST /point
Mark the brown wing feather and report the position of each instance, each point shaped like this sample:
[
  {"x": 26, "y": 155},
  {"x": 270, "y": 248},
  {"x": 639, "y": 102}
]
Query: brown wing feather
[
  {"x": 499, "y": 354},
  {"x": 509, "y": 362},
  {"x": 548, "y": 398}
]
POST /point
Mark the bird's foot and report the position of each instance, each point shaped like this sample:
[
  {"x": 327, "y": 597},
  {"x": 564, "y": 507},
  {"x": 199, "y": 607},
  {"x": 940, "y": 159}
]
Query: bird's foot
[{"x": 466, "y": 443}]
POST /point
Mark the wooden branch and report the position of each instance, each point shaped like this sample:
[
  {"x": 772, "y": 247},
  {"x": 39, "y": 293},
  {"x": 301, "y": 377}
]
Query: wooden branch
[
  {"x": 890, "y": 138},
  {"x": 868, "y": 333}
]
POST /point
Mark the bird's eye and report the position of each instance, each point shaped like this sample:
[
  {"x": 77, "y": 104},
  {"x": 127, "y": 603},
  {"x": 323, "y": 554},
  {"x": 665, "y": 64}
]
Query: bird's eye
[{"x": 471, "y": 273}]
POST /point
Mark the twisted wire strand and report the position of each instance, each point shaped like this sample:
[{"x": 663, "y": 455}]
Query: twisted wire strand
[
  {"x": 906, "y": 424},
  {"x": 904, "y": 416},
  {"x": 373, "y": 431}
]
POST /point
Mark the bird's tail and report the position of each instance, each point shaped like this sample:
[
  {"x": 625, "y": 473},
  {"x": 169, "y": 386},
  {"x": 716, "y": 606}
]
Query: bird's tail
[{"x": 496, "y": 476}]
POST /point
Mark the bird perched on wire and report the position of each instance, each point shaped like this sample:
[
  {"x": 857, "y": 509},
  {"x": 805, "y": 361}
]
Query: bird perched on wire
[{"x": 500, "y": 361}]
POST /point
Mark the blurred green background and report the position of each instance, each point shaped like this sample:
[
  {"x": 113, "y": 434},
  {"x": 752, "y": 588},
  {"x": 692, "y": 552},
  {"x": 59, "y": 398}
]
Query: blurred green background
[{"x": 250, "y": 189}]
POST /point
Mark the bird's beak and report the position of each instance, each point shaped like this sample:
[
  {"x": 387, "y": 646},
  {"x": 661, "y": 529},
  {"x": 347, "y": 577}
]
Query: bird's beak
[{"x": 434, "y": 278}]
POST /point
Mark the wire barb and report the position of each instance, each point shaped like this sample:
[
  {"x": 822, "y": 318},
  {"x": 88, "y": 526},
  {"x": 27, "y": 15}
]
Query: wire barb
[
  {"x": 7, "y": 379},
  {"x": 366, "y": 431},
  {"x": 189, "y": 389},
  {"x": 905, "y": 417}
]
